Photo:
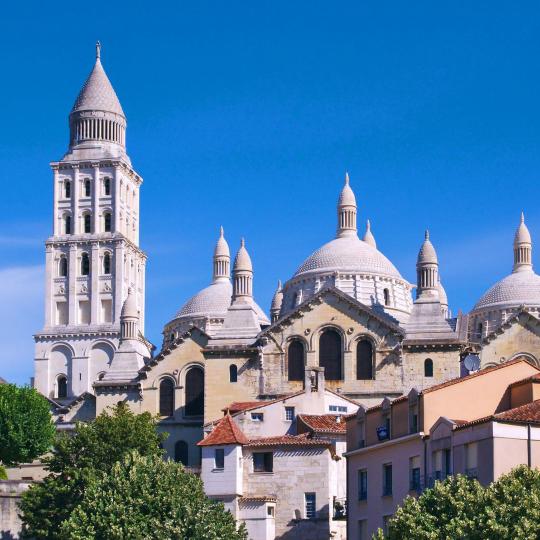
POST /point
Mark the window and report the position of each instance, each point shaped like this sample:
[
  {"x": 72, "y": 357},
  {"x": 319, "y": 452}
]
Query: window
[
  {"x": 447, "y": 455},
  {"x": 107, "y": 263},
  {"x": 85, "y": 264},
  {"x": 289, "y": 414},
  {"x": 361, "y": 435},
  {"x": 195, "y": 392},
  {"x": 166, "y": 397},
  {"x": 87, "y": 187},
  {"x": 181, "y": 452},
  {"x": 414, "y": 473},
  {"x": 107, "y": 222},
  {"x": 263, "y": 462},
  {"x": 387, "y": 479},
  {"x": 471, "y": 456},
  {"x": 330, "y": 355},
  {"x": 219, "y": 458},
  {"x": 386, "y": 297},
  {"x": 270, "y": 511},
  {"x": 63, "y": 267},
  {"x": 257, "y": 416},
  {"x": 362, "y": 529},
  {"x": 233, "y": 373},
  {"x": 61, "y": 390},
  {"x": 311, "y": 508},
  {"x": 296, "y": 362},
  {"x": 428, "y": 367},
  {"x": 67, "y": 189},
  {"x": 337, "y": 408},
  {"x": 107, "y": 186},
  {"x": 67, "y": 224},
  {"x": 87, "y": 223},
  {"x": 362, "y": 485},
  {"x": 364, "y": 360}
]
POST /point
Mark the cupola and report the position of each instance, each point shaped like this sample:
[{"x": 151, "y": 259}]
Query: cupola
[{"x": 346, "y": 211}]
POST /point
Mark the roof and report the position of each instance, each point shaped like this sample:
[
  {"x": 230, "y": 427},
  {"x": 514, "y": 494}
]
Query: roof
[
  {"x": 289, "y": 440},
  {"x": 239, "y": 406},
  {"x": 427, "y": 254},
  {"x": 532, "y": 378},
  {"x": 324, "y": 423},
  {"x": 225, "y": 432},
  {"x": 242, "y": 261},
  {"x": 97, "y": 93},
  {"x": 524, "y": 414}
]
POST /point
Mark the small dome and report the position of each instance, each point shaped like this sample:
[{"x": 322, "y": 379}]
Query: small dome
[
  {"x": 348, "y": 254},
  {"x": 522, "y": 236},
  {"x": 97, "y": 93},
  {"x": 129, "y": 309},
  {"x": 443, "y": 298},
  {"x": 368, "y": 236},
  {"x": 242, "y": 261},
  {"x": 427, "y": 254},
  {"x": 222, "y": 248},
  {"x": 520, "y": 288},
  {"x": 277, "y": 299},
  {"x": 346, "y": 197}
]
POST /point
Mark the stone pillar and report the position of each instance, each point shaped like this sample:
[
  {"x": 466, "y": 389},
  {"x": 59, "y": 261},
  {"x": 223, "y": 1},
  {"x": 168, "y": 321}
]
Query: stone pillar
[
  {"x": 95, "y": 199},
  {"x": 56, "y": 215},
  {"x": 75, "y": 221},
  {"x": 72, "y": 284},
  {"x": 94, "y": 286}
]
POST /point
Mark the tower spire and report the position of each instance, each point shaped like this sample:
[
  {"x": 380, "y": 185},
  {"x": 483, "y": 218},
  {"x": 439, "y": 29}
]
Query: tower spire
[
  {"x": 242, "y": 275},
  {"x": 275, "y": 307},
  {"x": 368, "y": 236},
  {"x": 222, "y": 259},
  {"x": 522, "y": 247},
  {"x": 427, "y": 269},
  {"x": 98, "y": 50},
  {"x": 346, "y": 210}
]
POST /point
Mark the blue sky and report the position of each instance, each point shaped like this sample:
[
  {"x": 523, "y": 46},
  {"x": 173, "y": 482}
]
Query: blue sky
[{"x": 247, "y": 114}]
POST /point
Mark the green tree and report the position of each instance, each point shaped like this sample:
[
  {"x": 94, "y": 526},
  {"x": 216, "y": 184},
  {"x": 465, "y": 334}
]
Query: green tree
[
  {"x": 147, "y": 497},
  {"x": 26, "y": 428},
  {"x": 75, "y": 461}
]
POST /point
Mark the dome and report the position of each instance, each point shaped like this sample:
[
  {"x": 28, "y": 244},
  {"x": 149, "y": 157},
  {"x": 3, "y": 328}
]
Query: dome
[
  {"x": 129, "y": 309},
  {"x": 346, "y": 197},
  {"x": 242, "y": 261},
  {"x": 443, "y": 298},
  {"x": 222, "y": 248},
  {"x": 348, "y": 254},
  {"x": 213, "y": 301},
  {"x": 277, "y": 298},
  {"x": 513, "y": 290},
  {"x": 97, "y": 93},
  {"x": 522, "y": 236},
  {"x": 427, "y": 254}
]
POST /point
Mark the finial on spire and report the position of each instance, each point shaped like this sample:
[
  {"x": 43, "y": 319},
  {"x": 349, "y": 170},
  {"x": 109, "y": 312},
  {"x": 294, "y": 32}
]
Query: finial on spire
[
  {"x": 242, "y": 242},
  {"x": 98, "y": 49},
  {"x": 426, "y": 235},
  {"x": 346, "y": 178},
  {"x": 368, "y": 226},
  {"x": 221, "y": 231},
  {"x": 346, "y": 211},
  {"x": 522, "y": 217},
  {"x": 279, "y": 284},
  {"x": 522, "y": 247},
  {"x": 368, "y": 236}
]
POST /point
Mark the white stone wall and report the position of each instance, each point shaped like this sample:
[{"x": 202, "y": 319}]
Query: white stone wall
[{"x": 226, "y": 481}]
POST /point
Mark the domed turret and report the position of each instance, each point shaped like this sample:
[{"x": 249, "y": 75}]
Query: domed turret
[
  {"x": 443, "y": 299},
  {"x": 276, "y": 303},
  {"x": 368, "y": 236},
  {"x": 242, "y": 274},
  {"x": 222, "y": 259},
  {"x": 346, "y": 211},
  {"x": 427, "y": 270},
  {"x": 522, "y": 248},
  {"x": 129, "y": 317}
]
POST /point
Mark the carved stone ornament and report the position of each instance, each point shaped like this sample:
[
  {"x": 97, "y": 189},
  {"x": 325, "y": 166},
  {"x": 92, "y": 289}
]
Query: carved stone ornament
[
  {"x": 61, "y": 289},
  {"x": 350, "y": 330},
  {"x": 307, "y": 331},
  {"x": 84, "y": 288}
]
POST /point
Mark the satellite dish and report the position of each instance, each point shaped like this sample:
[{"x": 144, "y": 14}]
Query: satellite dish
[{"x": 472, "y": 362}]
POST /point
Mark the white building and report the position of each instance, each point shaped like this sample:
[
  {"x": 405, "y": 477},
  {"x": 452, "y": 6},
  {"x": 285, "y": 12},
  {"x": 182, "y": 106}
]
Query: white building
[{"x": 93, "y": 254}]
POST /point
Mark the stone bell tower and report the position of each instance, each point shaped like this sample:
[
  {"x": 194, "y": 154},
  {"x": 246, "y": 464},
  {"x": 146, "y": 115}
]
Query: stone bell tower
[{"x": 93, "y": 255}]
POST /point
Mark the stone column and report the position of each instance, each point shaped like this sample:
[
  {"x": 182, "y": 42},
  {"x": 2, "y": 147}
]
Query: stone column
[
  {"x": 56, "y": 216},
  {"x": 94, "y": 286},
  {"x": 95, "y": 199},
  {"x": 72, "y": 287},
  {"x": 75, "y": 221},
  {"x": 49, "y": 284},
  {"x": 117, "y": 281}
]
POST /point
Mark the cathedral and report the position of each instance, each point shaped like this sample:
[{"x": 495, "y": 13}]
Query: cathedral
[{"x": 346, "y": 314}]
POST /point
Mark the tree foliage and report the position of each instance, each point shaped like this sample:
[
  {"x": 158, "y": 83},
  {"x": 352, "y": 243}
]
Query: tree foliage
[
  {"x": 459, "y": 507},
  {"x": 76, "y": 460},
  {"x": 146, "y": 497},
  {"x": 26, "y": 428}
]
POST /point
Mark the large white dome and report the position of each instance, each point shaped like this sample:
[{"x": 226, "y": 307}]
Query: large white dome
[
  {"x": 348, "y": 254},
  {"x": 512, "y": 291}
]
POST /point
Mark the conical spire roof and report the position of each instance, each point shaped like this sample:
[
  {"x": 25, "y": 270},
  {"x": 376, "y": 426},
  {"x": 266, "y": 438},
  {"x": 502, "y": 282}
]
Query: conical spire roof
[
  {"x": 277, "y": 299},
  {"x": 522, "y": 236},
  {"x": 346, "y": 197},
  {"x": 129, "y": 309},
  {"x": 242, "y": 260},
  {"x": 368, "y": 236},
  {"x": 97, "y": 93},
  {"x": 427, "y": 254},
  {"x": 222, "y": 248}
]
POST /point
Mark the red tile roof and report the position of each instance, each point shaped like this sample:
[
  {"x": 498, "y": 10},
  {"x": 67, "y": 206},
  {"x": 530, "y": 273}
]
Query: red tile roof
[
  {"x": 324, "y": 423},
  {"x": 289, "y": 440},
  {"x": 238, "y": 406},
  {"x": 225, "y": 432},
  {"x": 524, "y": 414}
]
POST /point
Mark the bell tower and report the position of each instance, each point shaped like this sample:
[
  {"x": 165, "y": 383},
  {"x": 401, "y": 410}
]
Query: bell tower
[{"x": 93, "y": 255}]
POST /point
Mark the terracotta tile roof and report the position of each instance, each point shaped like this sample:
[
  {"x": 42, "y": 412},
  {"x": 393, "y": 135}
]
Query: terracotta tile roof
[
  {"x": 473, "y": 375},
  {"x": 225, "y": 432},
  {"x": 289, "y": 440},
  {"x": 238, "y": 406},
  {"x": 258, "y": 498},
  {"x": 324, "y": 423},
  {"x": 524, "y": 414}
]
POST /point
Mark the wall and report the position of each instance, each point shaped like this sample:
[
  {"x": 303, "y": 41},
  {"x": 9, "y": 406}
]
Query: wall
[{"x": 10, "y": 495}]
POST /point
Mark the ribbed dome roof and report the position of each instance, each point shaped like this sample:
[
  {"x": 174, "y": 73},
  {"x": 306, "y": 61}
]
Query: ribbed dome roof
[
  {"x": 97, "y": 93},
  {"x": 213, "y": 301},
  {"x": 348, "y": 254},
  {"x": 513, "y": 290},
  {"x": 427, "y": 252}
]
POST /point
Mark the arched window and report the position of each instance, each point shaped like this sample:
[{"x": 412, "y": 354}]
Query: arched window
[
  {"x": 330, "y": 355},
  {"x": 296, "y": 362},
  {"x": 67, "y": 189},
  {"x": 195, "y": 392},
  {"x": 107, "y": 185},
  {"x": 479, "y": 329},
  {"x": 67, "y": 224},
  {"x": 107, "y": 222},
  {"x": 87, "y": 223},
  {"x": 107, "y": 263},
  {"x": 61, "y": 390},
  {"x": 87, "y": 188},
  {"x": 233, "y": 373},
  {"x": 386, "y": 297},
  {"x": 428, "y": 367},
  {"x": 85, "y": 264},
  {"x": 63, "y": 267},
  {"x": 364, "y": 360},
  {"x": 166, "y": 397},
  {"x": 181, "y": 452}
]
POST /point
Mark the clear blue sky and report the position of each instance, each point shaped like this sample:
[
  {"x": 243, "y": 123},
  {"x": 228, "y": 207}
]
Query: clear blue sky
[{"x": 247, "y": 114}]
